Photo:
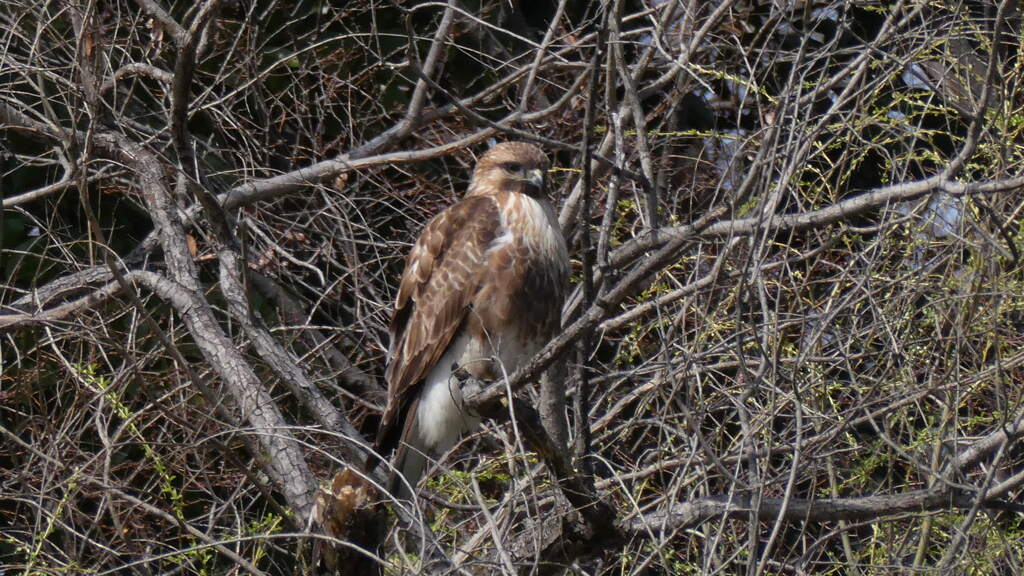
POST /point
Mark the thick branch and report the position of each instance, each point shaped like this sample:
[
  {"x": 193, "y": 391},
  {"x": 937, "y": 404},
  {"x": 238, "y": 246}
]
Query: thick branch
[
  {"x": 284, "y": 461},
  {"x": 688, "y": 514}
]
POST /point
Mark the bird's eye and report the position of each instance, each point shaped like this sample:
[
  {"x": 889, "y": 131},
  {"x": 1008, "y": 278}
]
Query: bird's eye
[{"x": 512, "y": 166}]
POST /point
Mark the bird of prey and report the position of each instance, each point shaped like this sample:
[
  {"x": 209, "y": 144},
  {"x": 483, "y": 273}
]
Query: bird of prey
[{"x": 482, "y": 291}]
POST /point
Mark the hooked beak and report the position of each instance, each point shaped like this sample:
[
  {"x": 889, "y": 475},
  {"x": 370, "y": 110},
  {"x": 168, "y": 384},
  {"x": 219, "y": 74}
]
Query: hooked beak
[{"x": 536, "y": 178}]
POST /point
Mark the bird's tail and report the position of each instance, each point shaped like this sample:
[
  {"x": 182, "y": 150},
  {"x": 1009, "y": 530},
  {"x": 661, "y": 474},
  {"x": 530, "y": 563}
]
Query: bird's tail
[{"x": 410, "y": 461}]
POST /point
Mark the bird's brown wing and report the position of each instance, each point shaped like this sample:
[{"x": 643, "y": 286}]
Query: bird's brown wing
[{"x": 442, "y": 276}]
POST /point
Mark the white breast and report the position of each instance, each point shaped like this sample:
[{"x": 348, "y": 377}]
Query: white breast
[{"x": 541, "y": 234}]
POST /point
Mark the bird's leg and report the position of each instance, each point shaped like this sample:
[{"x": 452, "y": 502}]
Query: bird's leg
[{"x": 467, "y": 383}]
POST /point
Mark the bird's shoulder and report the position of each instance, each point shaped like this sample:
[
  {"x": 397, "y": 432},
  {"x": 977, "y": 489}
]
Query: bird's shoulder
[{"x": 453, "y": 240}]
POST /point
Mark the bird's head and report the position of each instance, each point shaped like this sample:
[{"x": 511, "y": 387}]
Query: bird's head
[{"x": 511, "y": 167}]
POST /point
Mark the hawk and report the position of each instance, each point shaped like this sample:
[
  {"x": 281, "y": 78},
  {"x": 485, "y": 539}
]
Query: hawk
[{"x": 482, "y": 292}]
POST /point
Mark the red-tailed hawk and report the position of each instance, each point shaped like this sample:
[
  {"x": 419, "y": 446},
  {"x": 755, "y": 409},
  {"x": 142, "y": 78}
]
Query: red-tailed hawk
[{"x": 482, "y": 291}]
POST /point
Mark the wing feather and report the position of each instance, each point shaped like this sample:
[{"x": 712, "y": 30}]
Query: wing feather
[{"x": 441, "y": 279}]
